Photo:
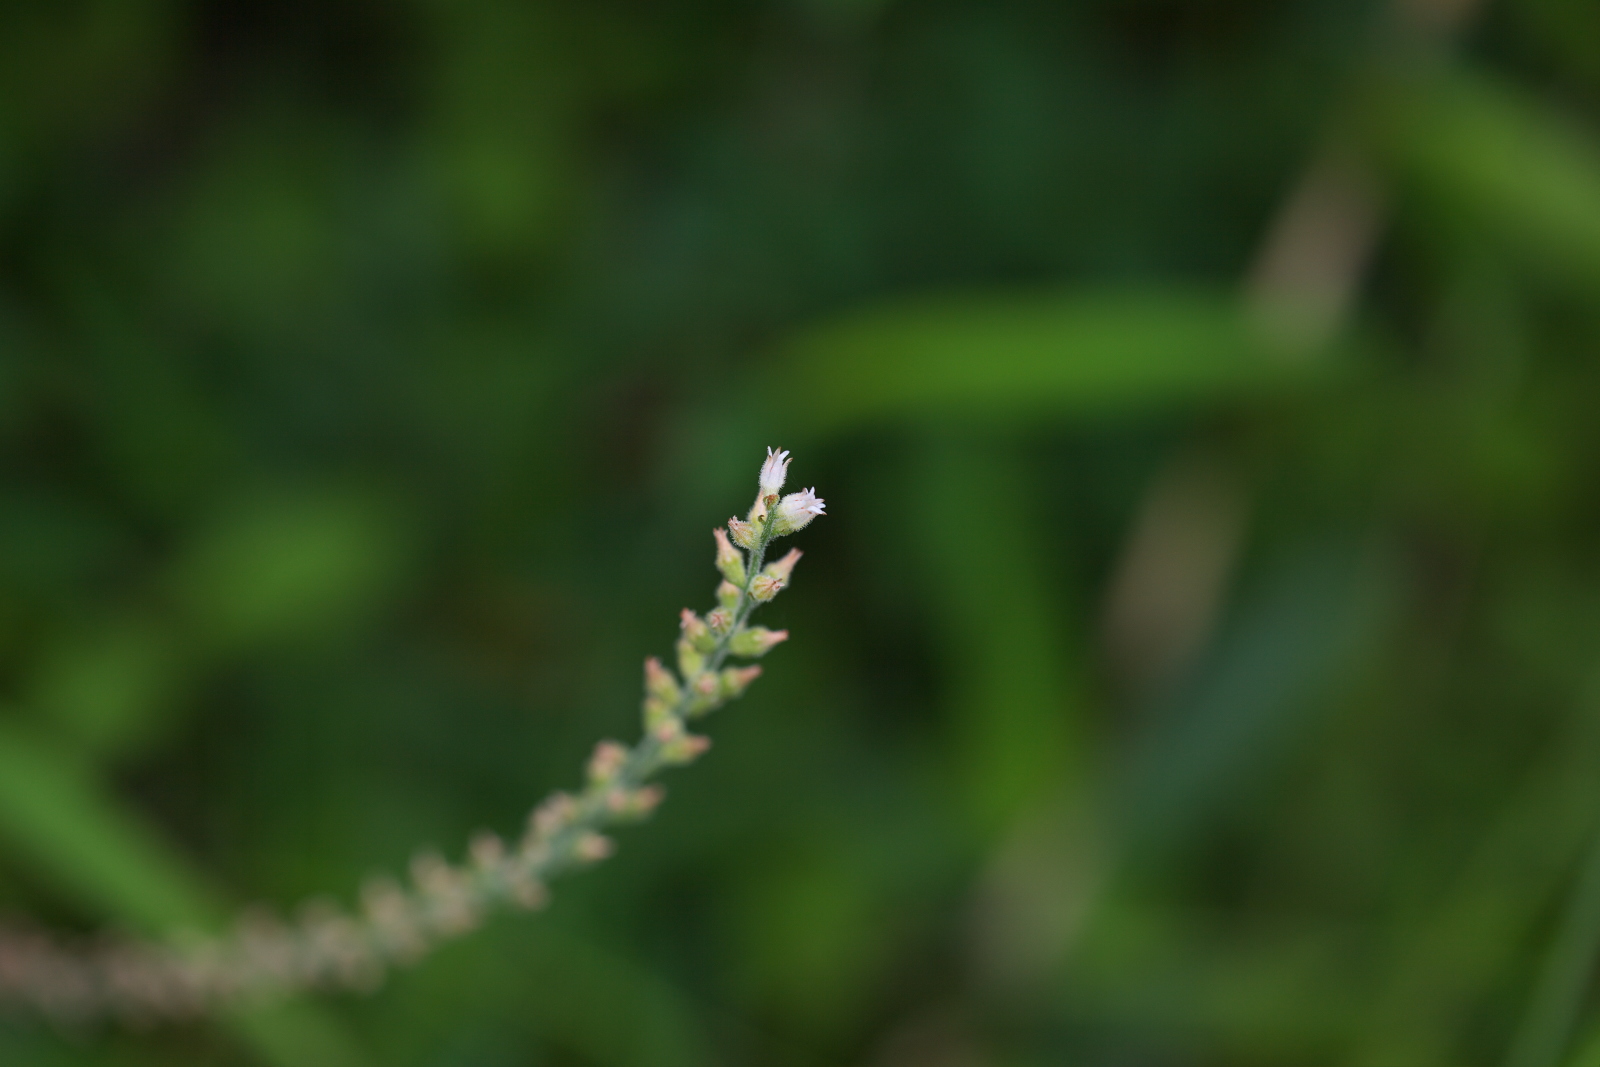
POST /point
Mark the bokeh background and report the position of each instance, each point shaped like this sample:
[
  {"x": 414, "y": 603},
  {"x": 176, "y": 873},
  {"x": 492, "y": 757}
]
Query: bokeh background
[{"x": 1197, "y": 665}]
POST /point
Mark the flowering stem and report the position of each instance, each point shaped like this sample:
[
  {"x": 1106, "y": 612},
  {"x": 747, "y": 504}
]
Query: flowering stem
[{"x": 328, "y": 948}]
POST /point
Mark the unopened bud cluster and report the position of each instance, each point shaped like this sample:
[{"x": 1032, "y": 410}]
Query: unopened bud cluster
[{"x": 324, "y": 947}]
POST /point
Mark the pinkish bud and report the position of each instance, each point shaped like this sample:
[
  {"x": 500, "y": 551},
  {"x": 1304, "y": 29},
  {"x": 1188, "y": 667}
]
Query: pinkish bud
[
  {"x": 690, "y": 660},
  {"x": 657, "y": 712},
  {"x": 608, "y": 759},
  {"x": 696, "y": 632},
  {"x": 706, "y": 696},
  {"x": 720, "y": 621},
  {"x": 758, "y": 511},
  {"x": 781, "y": 569},
  {"x": 591, "y": 847},
  {"x": 487, "y": 851},
  {"x": 659, "y": 682},
  {"x": 528, "y": 893},
  {"x": 383, "y": 900},
  {"x": 735, "y": 680},
  {"x": 553, "y": 815},
  {"x": 743, "y": 534},
  {"x": 685, "y": 748},
  {"x": 765, "y": 587},
  {"x": 756, "y": 641},
  {"x": 728, "y": 595},
  {"x": 730, "y": 561},
  {"x": 634, "y": 803},
  {"x": 433, "y": 875}
]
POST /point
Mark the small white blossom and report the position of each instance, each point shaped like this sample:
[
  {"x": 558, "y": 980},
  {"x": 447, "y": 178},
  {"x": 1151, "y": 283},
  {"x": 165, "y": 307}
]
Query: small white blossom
[
  {"x": 774, "y": 471},
  {"x": 798, "y": 509}
]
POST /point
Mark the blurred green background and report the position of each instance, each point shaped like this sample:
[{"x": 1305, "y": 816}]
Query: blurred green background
[{"x": 1197, "y": 665}]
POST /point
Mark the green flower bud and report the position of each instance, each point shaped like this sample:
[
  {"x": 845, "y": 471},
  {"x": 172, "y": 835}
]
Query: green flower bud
[
  {"x": 690, "y": 660},
  {"x": 696, "y": 632},
  {"x": 735, "y": 680},
  {"x": 704, "y": 695},
  {"x": 684, "y": 749},
  {"x": 756, "y": 641},
  {"x": 659, "y": 682},
  {"x": 781, "y": 569},
  {"x": 633, "y": 803},
  {"x": 743, "y": 534},
  {"x": 553, "y": 816},
  {"x": 658, "y": 711},
  {"x": 607, "y": 761},
  {"x": 591, "y": 847},
  {"x": 730, "y": 561}
]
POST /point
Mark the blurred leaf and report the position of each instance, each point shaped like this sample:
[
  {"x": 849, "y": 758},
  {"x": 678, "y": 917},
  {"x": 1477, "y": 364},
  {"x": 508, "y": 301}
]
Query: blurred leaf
[
  {"x": 295, "y": 567},
  {"x": 1045, "y": 353},
  {"x": 111, "y": 688},
  {"x": 1306, "y": 619},
  {"x": 1015, "y": 696},
  {"x": 1557, "y": 999},
  {"x": 53, "y": 811},
  {"x": 543, "y": 974},
  {"x": 817, "y": 935},
  {"x": 295, "y": 1033},
  {"x": 1451, "y": 950},
  {"x": 1484, "y": 153}
]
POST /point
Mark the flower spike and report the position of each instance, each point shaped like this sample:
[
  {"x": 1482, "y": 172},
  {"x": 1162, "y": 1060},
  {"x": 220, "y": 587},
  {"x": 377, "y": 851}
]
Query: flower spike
[{"x": 396, "y": 924}]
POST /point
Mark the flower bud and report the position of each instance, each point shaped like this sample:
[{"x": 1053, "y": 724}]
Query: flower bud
[
  {"x": 690, "y": 661},
  {"x": 719, "y": 621},
  {"x": 553, "y": 815},
  {"x": 634, "y": 803},
  {"x": 657, "y": 711},
  {"x": 383, "y": 902},
  {"x": 591, "y": 847},
  {"x": 696, "y": 632},
  {"x": 705, "y": 696},
  {"x": 756, "y": 641},
  {"x": 685, "y": 748},
  {"x": 433, "y": 876},
  {"x": 781, "y": 569},
  {"x": 487, "y": 851},
  {"x": 730, "y": 561},
  {"x": 796, "y": 511},
  {"x": 526, "y": 892},
  {"x": 774, "y": 471},
  {"x": 607, "y": 761},
  {"x": 735, "y": 680},
  {"x": 743, "y": 534},
  {"x": 765, "y": 587},
  {"x": 728, "y": 596},
  {"x": 659, "y": 682},
  {"x": 758, "y": 511}
]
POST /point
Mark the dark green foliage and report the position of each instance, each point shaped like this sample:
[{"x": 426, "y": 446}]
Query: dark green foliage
[{"x": 371, "y": 374}]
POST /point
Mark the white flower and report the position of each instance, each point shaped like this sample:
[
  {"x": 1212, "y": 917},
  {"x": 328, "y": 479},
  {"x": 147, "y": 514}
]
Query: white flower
[
  {"x": 774, "y": 471},
  {"x": 796, "y": 510}
]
